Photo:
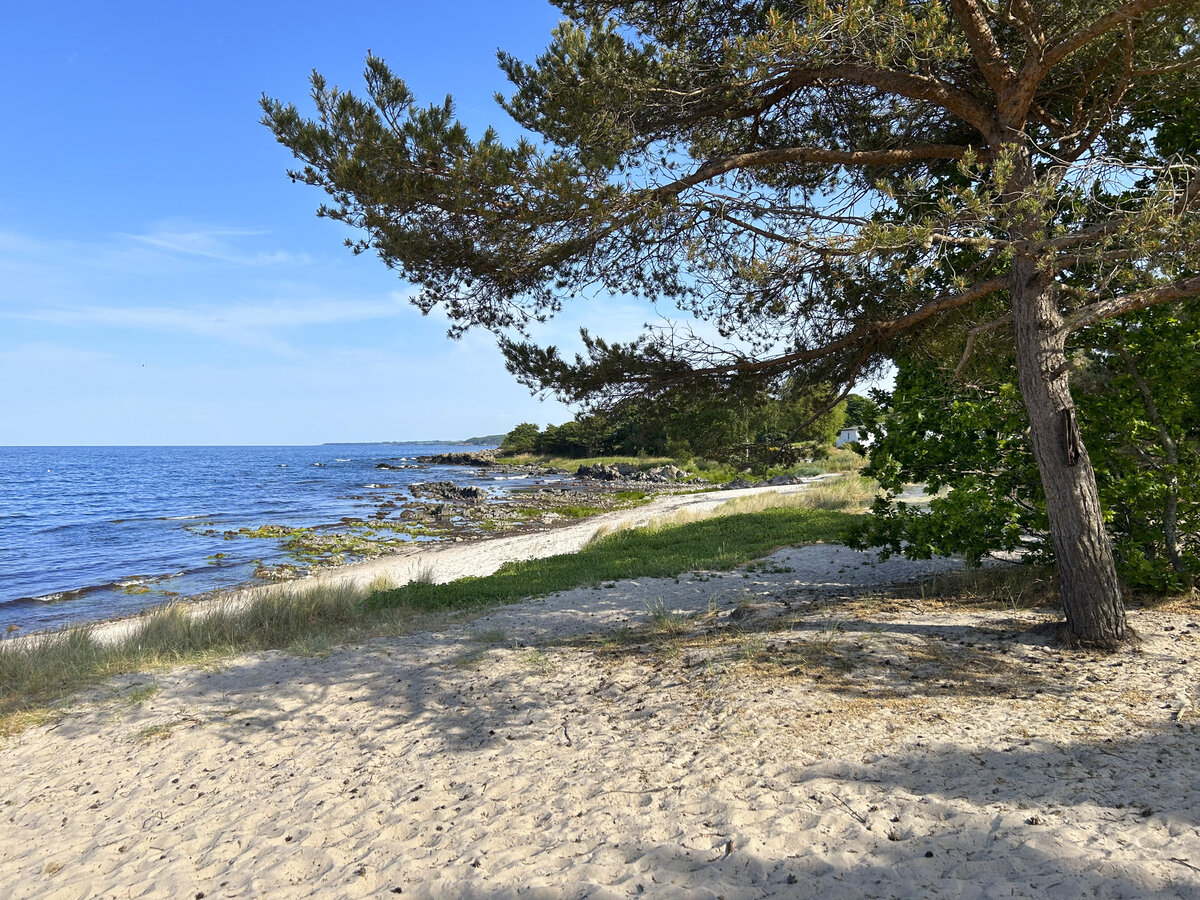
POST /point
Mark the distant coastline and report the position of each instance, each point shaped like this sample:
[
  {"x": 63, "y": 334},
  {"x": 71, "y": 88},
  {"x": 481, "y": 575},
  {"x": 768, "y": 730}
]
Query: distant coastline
[{"x": 487, "y": 440}]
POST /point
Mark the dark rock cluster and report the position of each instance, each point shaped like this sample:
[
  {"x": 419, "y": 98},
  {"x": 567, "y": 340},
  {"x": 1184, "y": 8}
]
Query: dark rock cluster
[
  {"x": 775, "y": 481},
  {"x": 626, "y": 472},
  {"x": 465, "y": 458},
  {"x": 448, "y": 491}
]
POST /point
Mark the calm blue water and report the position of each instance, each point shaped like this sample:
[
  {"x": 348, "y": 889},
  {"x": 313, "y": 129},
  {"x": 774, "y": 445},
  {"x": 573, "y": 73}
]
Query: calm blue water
[{"x": 86, "y": 531}]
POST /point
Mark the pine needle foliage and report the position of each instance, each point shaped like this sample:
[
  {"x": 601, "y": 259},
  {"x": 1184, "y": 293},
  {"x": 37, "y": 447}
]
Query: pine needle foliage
[{"x": 824, "y": 181}]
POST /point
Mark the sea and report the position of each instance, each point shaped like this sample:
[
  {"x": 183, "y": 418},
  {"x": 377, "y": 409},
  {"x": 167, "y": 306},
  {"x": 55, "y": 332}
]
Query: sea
[{"x": 89, "y": 533}]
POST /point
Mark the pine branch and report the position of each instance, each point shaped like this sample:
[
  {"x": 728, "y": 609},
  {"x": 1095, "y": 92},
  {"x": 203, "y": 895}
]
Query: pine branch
[
  {"x": 1182, "y": 289},
  {"x": 974, "y": 333},
  {"x": 816, "y": 155},
  {"x": 873, "y": 333},
  {"x": 991, "y": 62}
]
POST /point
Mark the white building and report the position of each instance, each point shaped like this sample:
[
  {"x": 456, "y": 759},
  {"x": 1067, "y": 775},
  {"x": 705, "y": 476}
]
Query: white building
[{"x": 852, "y": 434}]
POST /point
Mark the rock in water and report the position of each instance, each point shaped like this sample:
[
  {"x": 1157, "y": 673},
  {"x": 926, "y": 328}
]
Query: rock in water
[
  {"x": 481, "y": 458},
  {"x": 448, "y": 491}
]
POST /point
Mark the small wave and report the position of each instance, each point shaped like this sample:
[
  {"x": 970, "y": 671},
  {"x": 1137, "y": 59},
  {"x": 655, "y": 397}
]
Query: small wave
[
  {"x": 133, "y": 520},
  {"x": 57, "y": 596},
  {"x": 136, "y": 580},
  {"x": 509, "y": 477},
  {"x": 67, "y": 596},
  {"x": 54, "y": 529}
]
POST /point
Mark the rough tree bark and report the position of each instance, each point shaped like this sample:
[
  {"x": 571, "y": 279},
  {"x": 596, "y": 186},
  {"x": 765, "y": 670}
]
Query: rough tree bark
[
  {"x": 1089, "y": 586},
  {"x": 1091, "y": 592}
]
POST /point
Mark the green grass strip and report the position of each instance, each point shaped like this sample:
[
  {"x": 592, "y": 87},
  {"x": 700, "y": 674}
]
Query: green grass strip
[{"x": 721, "y": 543}]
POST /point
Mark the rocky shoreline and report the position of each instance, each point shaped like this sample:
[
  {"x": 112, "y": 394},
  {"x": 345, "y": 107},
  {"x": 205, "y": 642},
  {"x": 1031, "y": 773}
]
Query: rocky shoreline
[{"x": 444, "y": 511}]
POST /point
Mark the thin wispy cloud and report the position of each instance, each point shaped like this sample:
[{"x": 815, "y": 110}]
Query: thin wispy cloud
[
  {"x": 256, "y": 324},
  {"x": 42, "y": 355},
  {"x": 158, "y": 251},
  {"x": 147, "y": 283},
  {"x": 220, "y": 245}
]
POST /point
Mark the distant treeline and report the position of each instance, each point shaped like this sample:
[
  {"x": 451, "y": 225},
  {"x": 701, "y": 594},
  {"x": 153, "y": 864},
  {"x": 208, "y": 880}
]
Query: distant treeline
[{"x": 714, "y": 427}]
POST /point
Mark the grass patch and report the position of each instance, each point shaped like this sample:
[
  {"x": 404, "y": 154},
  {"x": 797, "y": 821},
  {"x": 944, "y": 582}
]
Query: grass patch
[
  {"x": 154, "y": 733},
  {"x": 631, "y": 497},
  {"x": 664, "y": 621},
  {"x": 851, "y": 492},
  {"x": 539, "y": 661},
  {"x": 722, "y": 543},
  {"x": 1184, "y": 603},
  {"x": 842, "y": 461},
  {"x": 578, "y": 512},
  {"x": 15, "y": 722},
  {"x": 489, "y": 636},
  {"x": 997, "y": 587},
  {"x": 38, "y": 671},
  {"x": 714, "y": 471}
]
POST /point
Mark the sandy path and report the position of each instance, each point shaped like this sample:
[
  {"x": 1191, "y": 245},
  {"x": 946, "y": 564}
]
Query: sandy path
[
  {"x": 447, "y": 562},
  {"x": 762, "y": 733}
]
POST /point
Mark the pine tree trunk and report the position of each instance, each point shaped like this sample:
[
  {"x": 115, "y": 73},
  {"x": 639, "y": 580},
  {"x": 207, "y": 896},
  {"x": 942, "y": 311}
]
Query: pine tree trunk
[{"x": 1091, "y": 593}]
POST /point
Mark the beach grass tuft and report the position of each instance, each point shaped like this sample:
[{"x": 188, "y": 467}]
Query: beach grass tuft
[
  {"x": 849, "y": 494},
  {"x": 41, "y": 669},
  {"x": 998, "y": 587}
]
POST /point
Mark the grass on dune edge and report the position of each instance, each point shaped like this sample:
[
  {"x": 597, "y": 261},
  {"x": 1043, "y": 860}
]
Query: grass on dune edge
[
  {"x": 723, "y": 542},
  {"x": 40, "y": 670}
]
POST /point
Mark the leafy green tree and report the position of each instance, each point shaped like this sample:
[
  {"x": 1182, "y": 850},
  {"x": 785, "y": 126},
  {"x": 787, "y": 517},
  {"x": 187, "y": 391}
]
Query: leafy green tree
[
  {"x": 1137, "y": 392},
  {"x": 1137, "y": 389},
  {"x": 820, "y": 179},
  {"x": 969, "y": 439},
  {"x": 862, "y": 411},
  {"x": 521, "y": 440},
  {"x": 570, "y": 439},
  {"x": 1140, "y": 402},
  {"x": 772, "y": 428}
]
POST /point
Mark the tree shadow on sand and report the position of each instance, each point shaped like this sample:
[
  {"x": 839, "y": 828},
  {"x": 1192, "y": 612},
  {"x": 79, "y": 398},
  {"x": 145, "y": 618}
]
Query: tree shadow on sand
[{"x": 832, "y": 748}]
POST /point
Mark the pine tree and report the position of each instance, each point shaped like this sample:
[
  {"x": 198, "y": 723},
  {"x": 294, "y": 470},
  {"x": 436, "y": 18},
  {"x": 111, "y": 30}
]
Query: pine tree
[{"x": 820, "y": 180}]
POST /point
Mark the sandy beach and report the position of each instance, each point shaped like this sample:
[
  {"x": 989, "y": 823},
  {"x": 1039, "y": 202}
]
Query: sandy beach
[{"x": 799, "y": 728}]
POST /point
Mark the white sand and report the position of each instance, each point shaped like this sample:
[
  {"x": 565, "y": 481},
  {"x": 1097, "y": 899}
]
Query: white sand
[{"x": 576, "y": 747}]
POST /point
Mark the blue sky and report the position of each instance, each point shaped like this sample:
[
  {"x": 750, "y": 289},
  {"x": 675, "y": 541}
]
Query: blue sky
[{"x": 161, "y": 280}]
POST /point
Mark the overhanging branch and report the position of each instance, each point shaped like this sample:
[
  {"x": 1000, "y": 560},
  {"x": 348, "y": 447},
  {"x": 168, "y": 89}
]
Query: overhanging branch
[
  {"x": 1183, "y": 289},
  {"x": 873, "y": 332},
  {"x": 818, "y": 155},
  {"x": 974, "y": 333}
]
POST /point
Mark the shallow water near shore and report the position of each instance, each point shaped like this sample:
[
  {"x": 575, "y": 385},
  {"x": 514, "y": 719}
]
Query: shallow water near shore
[{"x": 95, "y": 532}]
